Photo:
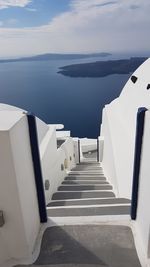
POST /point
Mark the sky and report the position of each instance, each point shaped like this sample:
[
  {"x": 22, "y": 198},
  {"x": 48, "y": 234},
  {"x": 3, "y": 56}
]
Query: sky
[{"x": 31, "y": 27}]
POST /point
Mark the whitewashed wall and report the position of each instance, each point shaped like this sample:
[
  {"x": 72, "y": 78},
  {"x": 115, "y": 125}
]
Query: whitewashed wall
[
  {"x": 118, "y": 128},
  {"x": 18, "y": 199},
  {"x": 76, "y": 149},
  {"x": 52, "y": 159},
  {"x": 42, "y": 127},
  {"x": 18, "y": 196}
]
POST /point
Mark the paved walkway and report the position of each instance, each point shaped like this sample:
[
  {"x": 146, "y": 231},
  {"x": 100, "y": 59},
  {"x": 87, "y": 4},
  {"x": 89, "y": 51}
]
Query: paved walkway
[{"x": 87, "y": 246}]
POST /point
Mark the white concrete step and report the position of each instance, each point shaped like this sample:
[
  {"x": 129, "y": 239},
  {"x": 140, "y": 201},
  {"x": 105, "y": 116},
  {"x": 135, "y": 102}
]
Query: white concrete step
[
  {"x": 82, "y": 194},
  {"x": 94, "y": 201},
  {"x": 84, "y": 177},
  {"x": 84, "y": 182},
  {"x": 84, "y": 187},
  {"x": 88, "y": 211},
  {"x": 94, "y": 172}
]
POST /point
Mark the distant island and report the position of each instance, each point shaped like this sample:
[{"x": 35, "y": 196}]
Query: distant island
[
  {"x": 102, "y": 68},
  {"x": 46, "y": 57}
]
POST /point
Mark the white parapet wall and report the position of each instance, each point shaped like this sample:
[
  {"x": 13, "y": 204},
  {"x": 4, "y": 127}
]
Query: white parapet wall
[
  {"x": 53, "y": 160},
  {"x": 118, "y": 129},
  {"x": 18, "y": 197}
]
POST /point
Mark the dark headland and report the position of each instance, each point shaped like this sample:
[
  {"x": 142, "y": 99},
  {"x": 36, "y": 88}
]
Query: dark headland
[
  {"x": 51, "y": 56},
  {"x": 102, "y": 68}
]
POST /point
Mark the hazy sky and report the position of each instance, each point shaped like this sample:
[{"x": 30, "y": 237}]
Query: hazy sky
[{"x": 40, "y": 26}]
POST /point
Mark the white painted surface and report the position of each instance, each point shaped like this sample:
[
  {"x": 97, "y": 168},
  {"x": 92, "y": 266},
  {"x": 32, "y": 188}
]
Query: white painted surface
[
  {"x": 76, "y": 149},
  {"x": 20, "y": 204},
  {"x": 57, "y": 126},
  {"x": 42, "y": 127},
  {"x": 68, "y": 148},
  {"x": 18, "y": 198},
  {"x": 60, "y": 134},
  {"x": 52, "y": 159},
  {"x": 118, "y": 129},
  {"x": 22, "y": 159}
]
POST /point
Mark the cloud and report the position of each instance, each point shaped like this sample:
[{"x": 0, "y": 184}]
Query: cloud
[
  {"x": 13, "y": 3},
  {"x": 87, "y": 4},
  {"x": 88, "y": 26}
]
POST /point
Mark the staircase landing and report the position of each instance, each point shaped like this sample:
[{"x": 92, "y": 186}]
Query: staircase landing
[{"x": 87, "y": 246}]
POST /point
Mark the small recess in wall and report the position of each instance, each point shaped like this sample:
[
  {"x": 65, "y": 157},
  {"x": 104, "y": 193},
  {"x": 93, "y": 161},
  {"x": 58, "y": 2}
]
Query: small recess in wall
[
  {"x": 2, "y": 221},
  {"x": 47, "y": 184},
  {"x": 134, "y": 79},
  {"x": 62, "y": 167},
  {"x": 148, "y": 86}
]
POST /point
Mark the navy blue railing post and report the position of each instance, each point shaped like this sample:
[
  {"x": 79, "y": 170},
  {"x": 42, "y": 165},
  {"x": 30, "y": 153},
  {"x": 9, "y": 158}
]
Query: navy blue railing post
[
  {"x": 79, "y": 150},
  {"x": 137, "y": 160},
  {"x": 37, "y": 166},
  {"x": 97, "y": 149}
]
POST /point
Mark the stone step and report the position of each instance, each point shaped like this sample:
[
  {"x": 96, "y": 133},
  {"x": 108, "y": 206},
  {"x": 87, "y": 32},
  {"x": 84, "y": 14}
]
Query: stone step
[
  {"x": 103, "y": 201},
  {"x": 84, "y": 187},
  {"x": 82, "y": 195},
  {"x": 88, "y": 211},
  {"x": 85, "y": 172},
  {"x": 85, "y": 168},
  {"x": 100, "y": 178},
  {"x": 84, "y": 182},
  {"x": 97, "y": 164}
]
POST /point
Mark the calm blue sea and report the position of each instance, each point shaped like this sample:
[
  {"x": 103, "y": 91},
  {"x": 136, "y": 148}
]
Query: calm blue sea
[{"x": 75, "y": 102}]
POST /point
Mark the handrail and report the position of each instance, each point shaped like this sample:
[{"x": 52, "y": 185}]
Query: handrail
[
  {"x": 97, "y": 149},
  {"x": 37, "y": 166},
  {"x": 79, "y": 144},
  {"x": 137, "y": 160}
]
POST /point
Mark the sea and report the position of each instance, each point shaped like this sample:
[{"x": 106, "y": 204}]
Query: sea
[{"x": 77, "y": 103}]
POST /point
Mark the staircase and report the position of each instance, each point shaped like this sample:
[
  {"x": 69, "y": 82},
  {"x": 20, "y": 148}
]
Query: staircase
[
  {"x": 85, "y": 191},
  {"x": 84, "y": 194}
]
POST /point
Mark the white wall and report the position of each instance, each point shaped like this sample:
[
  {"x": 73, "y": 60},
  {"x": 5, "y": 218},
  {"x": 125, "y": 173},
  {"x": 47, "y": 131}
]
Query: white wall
[
  {"x": 118, "y": 128},
  {"x": 18, "y": 199},
  {"x": 76, "y": 149},
  {"x": 22, "y": 160},
  {"x": 142, "y": 223},
  {"x": 52, "y": 159},
  {"x": 42, "y": 127},
  {"x": 61, "y": 134},
  {"x": 68, "y": 148},
  {"x": 18, "y": 196}
]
